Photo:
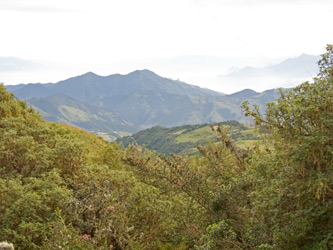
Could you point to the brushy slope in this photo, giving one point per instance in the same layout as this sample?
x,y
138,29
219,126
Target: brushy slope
x,y
54,194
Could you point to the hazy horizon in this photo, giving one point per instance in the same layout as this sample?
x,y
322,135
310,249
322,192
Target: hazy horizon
x,y
195,41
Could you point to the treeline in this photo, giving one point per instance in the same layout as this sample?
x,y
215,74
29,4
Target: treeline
x,y
63,189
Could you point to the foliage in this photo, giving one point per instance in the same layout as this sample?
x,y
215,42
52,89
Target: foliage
x,y
292,199
61,188
27,206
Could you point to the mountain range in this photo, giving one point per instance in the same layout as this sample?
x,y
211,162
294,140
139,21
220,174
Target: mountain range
x,y
118,105
14,64
287,73
302,66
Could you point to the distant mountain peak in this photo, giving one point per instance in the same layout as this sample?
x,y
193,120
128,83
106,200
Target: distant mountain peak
x,y
306,55
291,70
90,74
146,71
245,93
143,72
248,91
86,76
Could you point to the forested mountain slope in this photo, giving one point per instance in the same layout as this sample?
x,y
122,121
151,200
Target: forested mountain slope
x,y
129,103
64,109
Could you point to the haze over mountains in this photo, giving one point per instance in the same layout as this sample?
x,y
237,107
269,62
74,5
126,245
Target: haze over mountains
x,y
287,73
223,74
299,67
117,105
17,64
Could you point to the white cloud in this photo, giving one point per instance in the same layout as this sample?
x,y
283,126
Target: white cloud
x,y
32,6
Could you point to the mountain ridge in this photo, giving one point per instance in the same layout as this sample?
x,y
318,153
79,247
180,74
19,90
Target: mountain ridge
x,y
299,66
132,102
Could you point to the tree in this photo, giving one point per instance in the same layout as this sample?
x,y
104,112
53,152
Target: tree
x,y
292,200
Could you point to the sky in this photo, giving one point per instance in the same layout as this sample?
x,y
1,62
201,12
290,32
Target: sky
x,y
194,41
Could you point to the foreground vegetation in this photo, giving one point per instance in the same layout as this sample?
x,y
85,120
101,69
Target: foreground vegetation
x,y
61,188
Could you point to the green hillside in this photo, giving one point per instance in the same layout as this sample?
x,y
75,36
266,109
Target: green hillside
x,y
64,188
64,109
185,139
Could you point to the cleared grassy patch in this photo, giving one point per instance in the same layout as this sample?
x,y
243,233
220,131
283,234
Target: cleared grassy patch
x,y
196,135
